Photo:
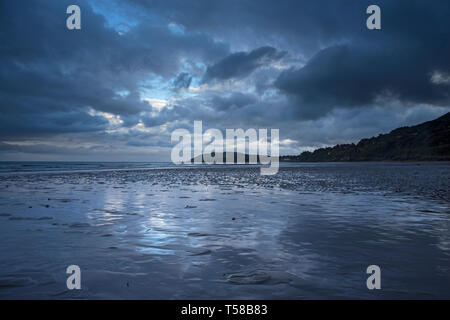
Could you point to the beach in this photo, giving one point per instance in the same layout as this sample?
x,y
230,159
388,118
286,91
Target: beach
x,y
225,232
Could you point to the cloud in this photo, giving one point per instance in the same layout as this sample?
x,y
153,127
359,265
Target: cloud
x,y
292,24
240,64
350,76
182,81
405,61
233,100
440,78
51,77
138,69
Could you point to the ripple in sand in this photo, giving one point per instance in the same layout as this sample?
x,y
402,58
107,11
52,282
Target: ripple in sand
x,y
207,199
10,282
20,218
5,215
75,231
79,225
198,251
257,277
197,234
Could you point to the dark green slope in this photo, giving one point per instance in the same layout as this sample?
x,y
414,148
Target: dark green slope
x,y
427,141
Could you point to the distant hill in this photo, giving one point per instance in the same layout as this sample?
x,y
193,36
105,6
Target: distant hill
x,y
427,141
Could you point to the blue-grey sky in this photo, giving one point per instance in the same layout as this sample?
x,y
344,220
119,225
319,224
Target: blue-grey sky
x,y
138,69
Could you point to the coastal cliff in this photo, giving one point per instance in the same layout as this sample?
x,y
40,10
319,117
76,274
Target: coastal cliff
x,y
429,141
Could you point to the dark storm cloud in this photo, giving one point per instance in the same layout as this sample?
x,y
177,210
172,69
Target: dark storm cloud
x,y
349,65
241,64
217,110
349,76
301,24
33,123
234,100
397,62
223,111
56,82
51,78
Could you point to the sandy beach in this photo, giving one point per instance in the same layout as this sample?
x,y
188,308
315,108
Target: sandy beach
x,y
226,232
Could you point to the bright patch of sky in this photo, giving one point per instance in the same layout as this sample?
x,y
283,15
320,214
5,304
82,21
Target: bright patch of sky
x,y
119,15
155,88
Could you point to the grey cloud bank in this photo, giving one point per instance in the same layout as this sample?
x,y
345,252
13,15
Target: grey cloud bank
x,y
241,64
139,69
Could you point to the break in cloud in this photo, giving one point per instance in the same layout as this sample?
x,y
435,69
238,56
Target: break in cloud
x,y
138,69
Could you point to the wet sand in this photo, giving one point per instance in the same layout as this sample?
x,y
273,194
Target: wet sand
x,y
227,232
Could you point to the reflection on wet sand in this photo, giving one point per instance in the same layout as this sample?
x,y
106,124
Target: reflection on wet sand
x,y
208,232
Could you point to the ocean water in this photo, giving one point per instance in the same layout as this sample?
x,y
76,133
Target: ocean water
x,y
159,231
42,166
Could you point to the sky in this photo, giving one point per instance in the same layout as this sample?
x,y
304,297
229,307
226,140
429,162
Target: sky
x,y
139,69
